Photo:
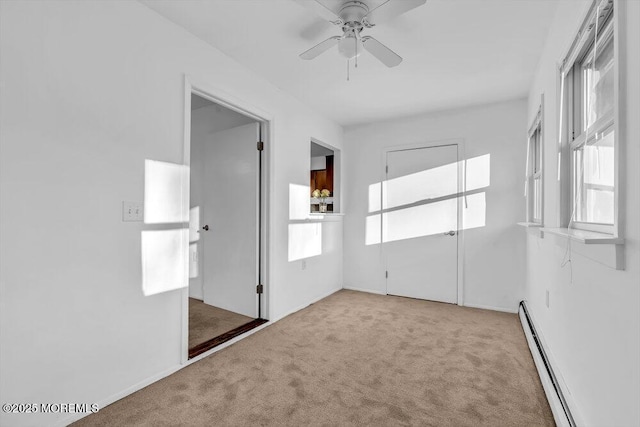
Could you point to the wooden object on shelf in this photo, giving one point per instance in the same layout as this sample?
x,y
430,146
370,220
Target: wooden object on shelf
x,y
329,182
323,179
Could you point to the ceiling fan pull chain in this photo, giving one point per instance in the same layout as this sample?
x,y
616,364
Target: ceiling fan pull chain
x,y
347,70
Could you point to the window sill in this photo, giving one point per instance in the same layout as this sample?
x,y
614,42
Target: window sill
x,y
317,216
584,236
530,224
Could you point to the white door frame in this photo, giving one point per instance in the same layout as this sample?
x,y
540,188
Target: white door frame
x,y
205,90
460,142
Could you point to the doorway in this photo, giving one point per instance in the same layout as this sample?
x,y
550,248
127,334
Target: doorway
x,y
225,238
420,222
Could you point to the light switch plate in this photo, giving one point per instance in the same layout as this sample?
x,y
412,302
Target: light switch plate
x,y
132,211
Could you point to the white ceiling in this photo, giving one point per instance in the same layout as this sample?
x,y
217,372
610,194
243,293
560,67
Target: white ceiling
x,y
319,150
199,102
214,117
456,52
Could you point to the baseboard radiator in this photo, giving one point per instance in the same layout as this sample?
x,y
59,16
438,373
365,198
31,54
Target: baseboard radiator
x,y
528,323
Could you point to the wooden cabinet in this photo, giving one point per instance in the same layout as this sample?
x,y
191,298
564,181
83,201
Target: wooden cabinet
x,y
322,179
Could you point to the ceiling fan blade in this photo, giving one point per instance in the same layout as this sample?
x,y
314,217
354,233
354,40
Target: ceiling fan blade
x,y
320,47
380,51
390,9
321,10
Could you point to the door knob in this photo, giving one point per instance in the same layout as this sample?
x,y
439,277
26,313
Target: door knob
x,y
450,233
206,228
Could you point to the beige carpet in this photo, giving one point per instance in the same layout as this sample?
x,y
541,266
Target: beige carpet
x,y
355,359
207,321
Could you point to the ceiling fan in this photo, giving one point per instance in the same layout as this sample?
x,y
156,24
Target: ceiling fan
x,y
354,16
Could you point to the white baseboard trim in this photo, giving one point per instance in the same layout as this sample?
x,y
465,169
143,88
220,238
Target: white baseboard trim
x,y
142,384
371,291
552,397
316,299
484,307
489,307
119,395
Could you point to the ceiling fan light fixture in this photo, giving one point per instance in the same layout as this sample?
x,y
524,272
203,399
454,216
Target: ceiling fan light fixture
x,y
355,16
350,47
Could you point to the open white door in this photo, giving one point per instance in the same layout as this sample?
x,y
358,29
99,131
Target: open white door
x,y
229,225
420,223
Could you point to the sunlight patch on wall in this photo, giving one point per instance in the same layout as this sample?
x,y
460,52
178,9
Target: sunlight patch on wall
x,y
478,172
372,229
421,216
432,183
194,224
299,196
474,215
165,253
193,261
165,264
374,197
418,221
194,236
166,192
409,223
305,240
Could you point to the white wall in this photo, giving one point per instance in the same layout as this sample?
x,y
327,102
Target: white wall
x,y
592,325
494,254
90,90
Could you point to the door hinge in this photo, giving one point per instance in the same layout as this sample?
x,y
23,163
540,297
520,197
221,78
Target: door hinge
x,y
386,274
260,145
259,289
386,169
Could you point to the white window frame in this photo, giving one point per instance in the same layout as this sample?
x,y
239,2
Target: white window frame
x,y
535,169
574,138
